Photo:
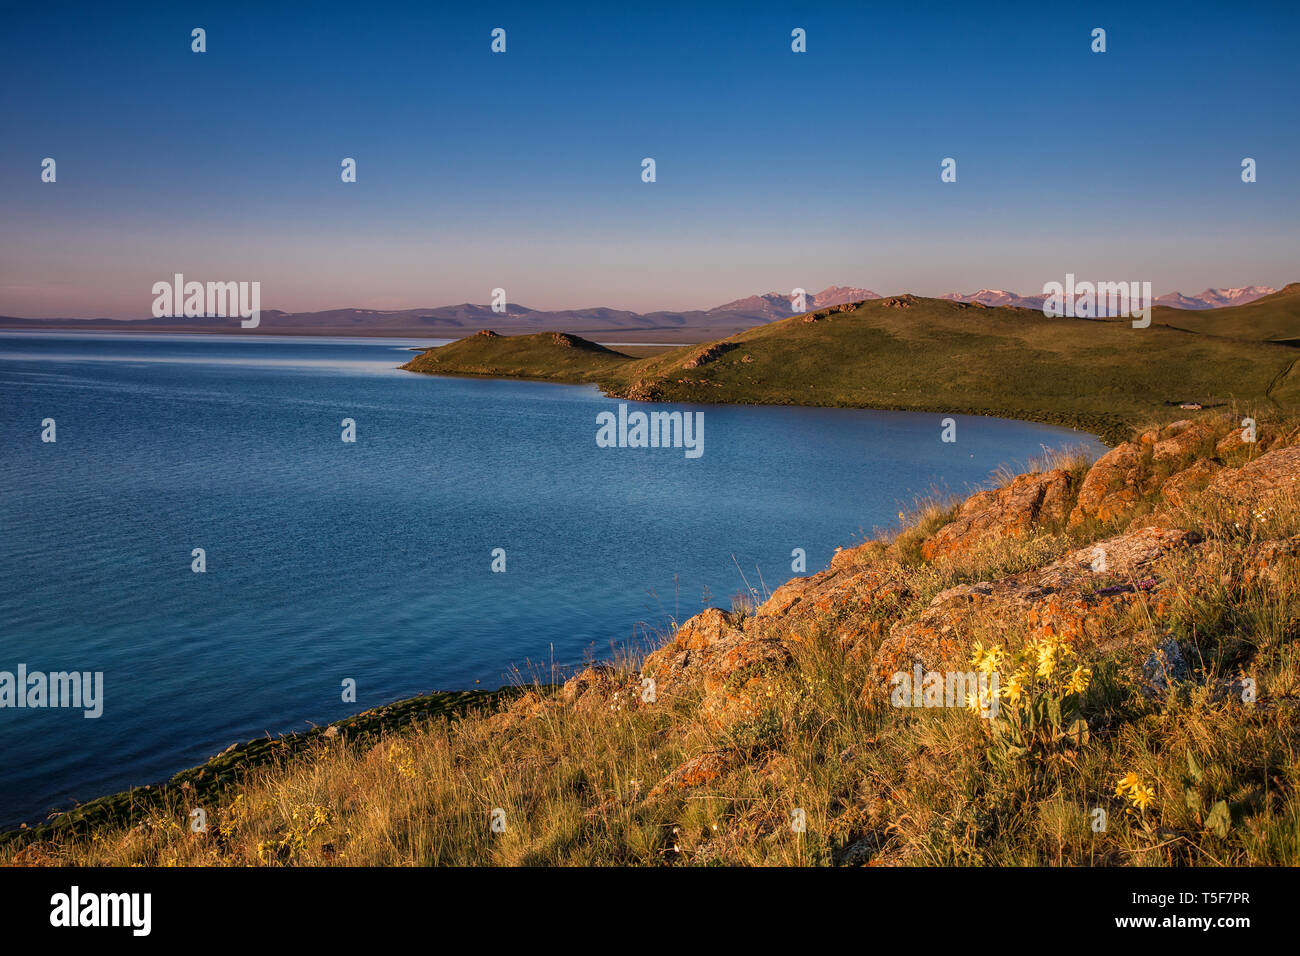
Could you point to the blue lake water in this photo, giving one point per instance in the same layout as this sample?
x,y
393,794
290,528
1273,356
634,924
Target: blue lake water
x,y
372,561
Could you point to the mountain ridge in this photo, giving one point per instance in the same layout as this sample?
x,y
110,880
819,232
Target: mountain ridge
x,y
455,321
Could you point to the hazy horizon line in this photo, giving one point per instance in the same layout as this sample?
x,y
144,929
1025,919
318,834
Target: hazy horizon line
x,y
512,305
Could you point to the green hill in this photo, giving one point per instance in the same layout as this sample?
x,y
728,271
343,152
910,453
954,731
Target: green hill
x,y
546,356
1273,318
933,355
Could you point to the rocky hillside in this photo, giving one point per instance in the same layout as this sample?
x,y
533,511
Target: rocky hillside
x,y
1140,614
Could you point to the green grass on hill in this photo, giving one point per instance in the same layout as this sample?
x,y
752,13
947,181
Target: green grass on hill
x,y
545,356
932,355
1272,318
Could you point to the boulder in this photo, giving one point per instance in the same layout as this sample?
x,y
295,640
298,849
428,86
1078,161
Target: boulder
x,y
708,627
1113,485
790,594
1271,562
1071,598
680,663
1179,488
1012,510
600,686
1179,440
864,553
1260,482
1235,440
696,772
1164,667
732,670
739,679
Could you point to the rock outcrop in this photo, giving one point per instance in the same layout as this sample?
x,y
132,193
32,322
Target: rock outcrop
x,y
1012,510
1113,486
1110,597
1077,597
1179,488
730,662
1261,481
712,656
1180,440
706,355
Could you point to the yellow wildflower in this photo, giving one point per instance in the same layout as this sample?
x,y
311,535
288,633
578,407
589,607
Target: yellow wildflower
x,y
990,659
1046,659
1142,796
1130,781
1012,690
1079,680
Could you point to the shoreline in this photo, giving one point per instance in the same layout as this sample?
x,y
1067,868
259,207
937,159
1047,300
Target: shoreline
x,y
228,768
223,769
716,653
1109,434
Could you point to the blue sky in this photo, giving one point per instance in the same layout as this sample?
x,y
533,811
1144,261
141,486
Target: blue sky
x,y
522,170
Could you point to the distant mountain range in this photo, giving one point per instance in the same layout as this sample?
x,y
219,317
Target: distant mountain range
x,y
454,321
1214,298
774,305
1209,299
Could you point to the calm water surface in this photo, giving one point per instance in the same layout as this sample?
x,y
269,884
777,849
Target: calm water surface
x,y
372,560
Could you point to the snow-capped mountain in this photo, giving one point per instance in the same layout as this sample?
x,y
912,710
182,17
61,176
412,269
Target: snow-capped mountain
x,y
984,297
1214,298
1209,299
456,320
777,305
996,297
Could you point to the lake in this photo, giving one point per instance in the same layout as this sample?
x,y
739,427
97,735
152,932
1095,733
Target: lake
x,y
372,560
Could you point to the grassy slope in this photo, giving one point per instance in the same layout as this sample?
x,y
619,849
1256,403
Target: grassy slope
x,y
878,784
938,356
1272,318
222,775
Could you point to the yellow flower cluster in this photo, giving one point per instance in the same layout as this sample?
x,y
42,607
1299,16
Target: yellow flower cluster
x,y
401,756
987,661
234,815
1139,794
1080,677
1047,659
303,822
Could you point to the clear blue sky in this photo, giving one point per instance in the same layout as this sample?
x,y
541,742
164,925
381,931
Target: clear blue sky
x,y
522,170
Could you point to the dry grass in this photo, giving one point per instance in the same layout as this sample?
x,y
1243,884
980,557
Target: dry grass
x,y
874,783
